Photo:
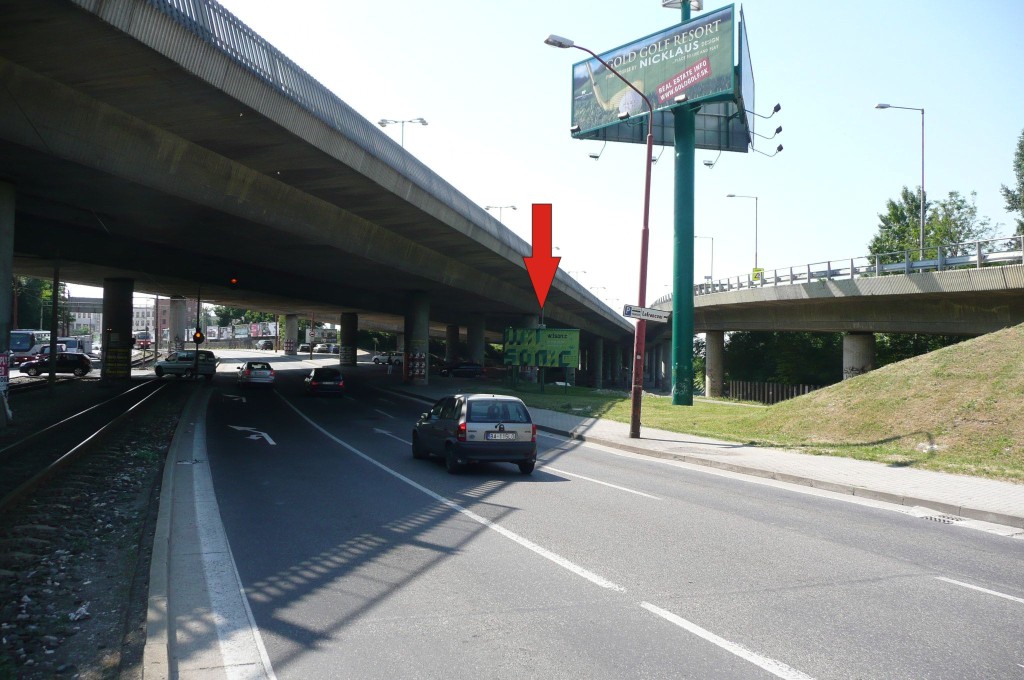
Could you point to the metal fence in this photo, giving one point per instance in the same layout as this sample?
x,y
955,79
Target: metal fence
x,y
766,393
974,255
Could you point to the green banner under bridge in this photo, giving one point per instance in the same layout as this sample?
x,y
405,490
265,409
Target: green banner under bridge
x,y
542,347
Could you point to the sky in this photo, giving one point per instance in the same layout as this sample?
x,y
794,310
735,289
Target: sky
x,y
498,101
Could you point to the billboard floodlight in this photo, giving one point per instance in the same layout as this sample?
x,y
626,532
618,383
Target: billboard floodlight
x,y
574,129
559,41
623,115
777,151
695,5
680,99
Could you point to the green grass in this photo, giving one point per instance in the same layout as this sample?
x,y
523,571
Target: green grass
x,y
954,410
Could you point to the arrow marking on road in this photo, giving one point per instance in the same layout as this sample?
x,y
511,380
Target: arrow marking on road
x,y
235,397
256,434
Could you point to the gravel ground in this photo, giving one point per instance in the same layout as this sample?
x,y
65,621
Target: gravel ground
x,y
74,562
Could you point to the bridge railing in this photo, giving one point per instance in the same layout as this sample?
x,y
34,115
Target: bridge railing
x,y
973,254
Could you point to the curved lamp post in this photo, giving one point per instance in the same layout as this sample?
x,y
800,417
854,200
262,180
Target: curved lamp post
x,y
384,122
641,324
499,208
912,108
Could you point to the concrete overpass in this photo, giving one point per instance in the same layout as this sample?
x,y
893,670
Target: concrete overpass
x,y
165,146
948,295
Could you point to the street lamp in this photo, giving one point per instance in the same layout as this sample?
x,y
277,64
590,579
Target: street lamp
x,y
384,122
712,239
499,208
641,324
912,108
755,221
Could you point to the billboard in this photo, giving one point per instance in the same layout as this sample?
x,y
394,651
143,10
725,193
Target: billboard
x,y
694,58
549,347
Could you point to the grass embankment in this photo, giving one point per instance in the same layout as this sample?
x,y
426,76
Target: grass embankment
x,y
958,410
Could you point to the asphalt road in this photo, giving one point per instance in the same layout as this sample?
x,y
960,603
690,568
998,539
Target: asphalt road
x,y
360,562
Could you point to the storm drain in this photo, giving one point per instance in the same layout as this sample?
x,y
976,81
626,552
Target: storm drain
x,y
943,519
933,516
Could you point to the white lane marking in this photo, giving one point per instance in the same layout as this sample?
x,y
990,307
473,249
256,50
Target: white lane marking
x,y
526,543
241,644
975,525
388,415
776,668
388,434
980,589
598,481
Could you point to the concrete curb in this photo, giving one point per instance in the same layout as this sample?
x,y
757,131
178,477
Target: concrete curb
x,y
156,664
853,490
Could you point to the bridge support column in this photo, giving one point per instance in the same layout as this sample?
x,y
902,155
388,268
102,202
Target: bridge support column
x,y
598,363
475,338
347,338
177,329
6,290
417,339
714,363
858,354
117,330
451,343
291,334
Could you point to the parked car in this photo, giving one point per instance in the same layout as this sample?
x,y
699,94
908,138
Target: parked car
x,y
264,344
325,380
67,362
304,347
387,358
255,373
463,369
322,348
183,364
466,428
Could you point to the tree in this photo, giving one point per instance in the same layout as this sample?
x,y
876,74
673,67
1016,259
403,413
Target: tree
x,y
1015,196
787,358
950,221
955,220
899,227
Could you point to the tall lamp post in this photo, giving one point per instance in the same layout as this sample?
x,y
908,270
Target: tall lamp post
x,y
499,208
641,324
384,122
913,108
755,221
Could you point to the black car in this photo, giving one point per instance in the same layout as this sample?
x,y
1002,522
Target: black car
x,y
463,369
325,380
67,362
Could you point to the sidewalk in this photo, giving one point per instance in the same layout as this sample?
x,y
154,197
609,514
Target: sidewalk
x,y
957,495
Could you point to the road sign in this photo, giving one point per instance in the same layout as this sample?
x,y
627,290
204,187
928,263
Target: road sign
x,y
633,312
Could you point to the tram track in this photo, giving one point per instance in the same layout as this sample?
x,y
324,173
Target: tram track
x,y
75,547
30,462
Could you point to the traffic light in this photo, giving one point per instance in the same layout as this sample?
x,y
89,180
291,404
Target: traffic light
x,y
233,281
198,337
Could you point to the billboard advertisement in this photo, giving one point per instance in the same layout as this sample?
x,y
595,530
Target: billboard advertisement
x,y
549,347
694,58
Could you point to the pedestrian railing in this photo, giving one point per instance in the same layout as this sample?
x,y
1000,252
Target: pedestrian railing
x,y
974,254
766,393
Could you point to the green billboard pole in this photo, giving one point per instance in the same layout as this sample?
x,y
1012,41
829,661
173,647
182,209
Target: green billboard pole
x,y
682,252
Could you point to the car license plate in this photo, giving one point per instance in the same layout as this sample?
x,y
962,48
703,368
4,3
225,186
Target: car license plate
x,y
501,435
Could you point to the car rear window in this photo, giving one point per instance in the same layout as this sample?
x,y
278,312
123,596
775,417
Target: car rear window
x,y
497,410
326,373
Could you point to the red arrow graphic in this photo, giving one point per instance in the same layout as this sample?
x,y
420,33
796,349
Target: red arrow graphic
x,y
541,265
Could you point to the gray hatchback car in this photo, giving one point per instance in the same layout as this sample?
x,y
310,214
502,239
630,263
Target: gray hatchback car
x,y
467,428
